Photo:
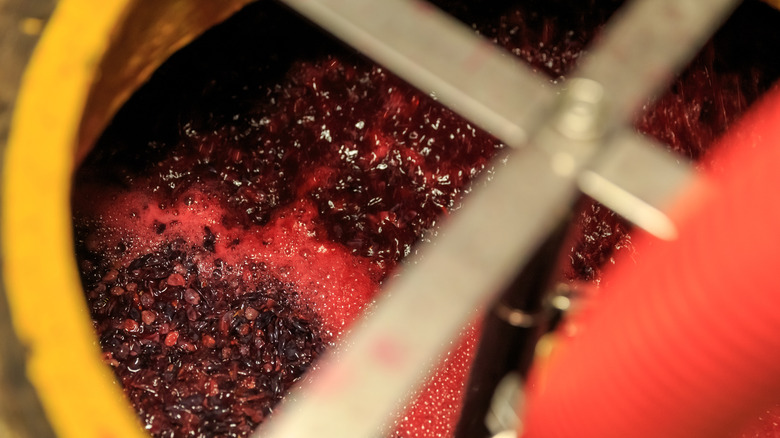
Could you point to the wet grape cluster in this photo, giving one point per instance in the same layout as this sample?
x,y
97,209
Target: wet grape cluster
x,y
200,352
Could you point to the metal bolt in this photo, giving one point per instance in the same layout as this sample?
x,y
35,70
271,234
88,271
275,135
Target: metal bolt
x,y
580,114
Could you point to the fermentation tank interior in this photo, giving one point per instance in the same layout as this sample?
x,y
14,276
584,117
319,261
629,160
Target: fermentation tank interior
x,y
248,203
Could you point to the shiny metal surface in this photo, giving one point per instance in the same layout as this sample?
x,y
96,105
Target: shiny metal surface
x,y
636,177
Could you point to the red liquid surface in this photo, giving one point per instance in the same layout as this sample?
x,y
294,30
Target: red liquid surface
x,y
248,203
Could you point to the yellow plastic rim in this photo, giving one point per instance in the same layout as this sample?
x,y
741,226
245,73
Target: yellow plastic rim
x,y
72,87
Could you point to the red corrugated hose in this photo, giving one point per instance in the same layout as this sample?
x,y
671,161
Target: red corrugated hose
x,y
683,337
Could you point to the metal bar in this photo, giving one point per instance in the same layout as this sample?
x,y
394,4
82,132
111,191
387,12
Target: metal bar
x,y
638,178
439,55
645,45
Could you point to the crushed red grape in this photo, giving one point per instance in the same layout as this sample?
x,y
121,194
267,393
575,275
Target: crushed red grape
x,y
206,367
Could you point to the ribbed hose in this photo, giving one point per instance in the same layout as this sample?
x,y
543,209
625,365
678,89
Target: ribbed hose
x,y
685,341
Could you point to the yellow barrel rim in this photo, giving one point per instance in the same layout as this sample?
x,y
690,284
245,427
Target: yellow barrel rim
x,y
47,139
